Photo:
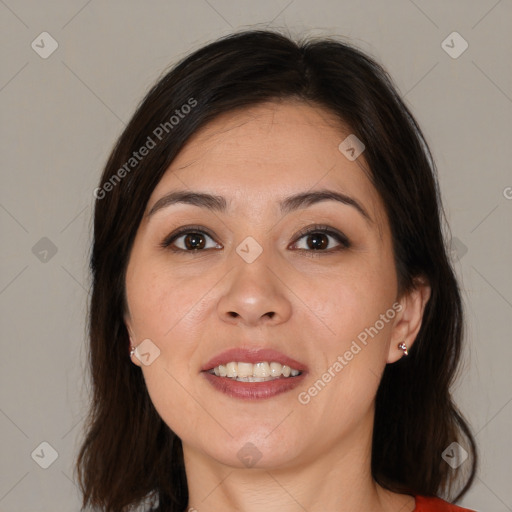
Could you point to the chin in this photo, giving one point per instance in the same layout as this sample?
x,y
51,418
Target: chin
x,y
255,449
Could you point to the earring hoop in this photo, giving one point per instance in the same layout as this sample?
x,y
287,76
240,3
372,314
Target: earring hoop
x,y
402,346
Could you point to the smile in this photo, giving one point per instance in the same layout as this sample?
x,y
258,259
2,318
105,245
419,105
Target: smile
x,y
259,372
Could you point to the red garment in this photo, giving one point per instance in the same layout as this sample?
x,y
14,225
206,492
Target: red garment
x,y
424,504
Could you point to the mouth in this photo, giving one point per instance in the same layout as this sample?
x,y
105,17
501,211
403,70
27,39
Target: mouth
x,y
262,371
253,374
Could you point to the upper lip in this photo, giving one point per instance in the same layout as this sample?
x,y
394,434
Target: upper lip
x,y
253,356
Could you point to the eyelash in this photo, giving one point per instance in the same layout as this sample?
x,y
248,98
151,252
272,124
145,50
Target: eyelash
x,y
325,230
310,230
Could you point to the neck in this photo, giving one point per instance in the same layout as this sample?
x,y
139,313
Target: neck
x,y
333,478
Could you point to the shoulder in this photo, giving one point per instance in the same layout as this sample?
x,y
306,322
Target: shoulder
x,y
428,504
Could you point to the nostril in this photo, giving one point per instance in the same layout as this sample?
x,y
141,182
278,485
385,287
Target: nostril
x,y
233,314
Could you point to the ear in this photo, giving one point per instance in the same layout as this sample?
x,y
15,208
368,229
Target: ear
x,y
409,317
129,328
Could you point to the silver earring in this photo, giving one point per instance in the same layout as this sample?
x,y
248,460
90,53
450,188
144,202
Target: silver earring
x,y
402,346
132,348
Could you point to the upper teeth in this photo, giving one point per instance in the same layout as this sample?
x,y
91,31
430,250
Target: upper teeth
x,y
246,371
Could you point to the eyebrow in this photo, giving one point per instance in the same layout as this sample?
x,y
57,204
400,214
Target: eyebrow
x,y
219,204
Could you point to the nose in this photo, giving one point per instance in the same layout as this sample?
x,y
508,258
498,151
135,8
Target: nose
x,y
255,295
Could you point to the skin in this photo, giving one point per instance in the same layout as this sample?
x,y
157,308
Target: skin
x,y
193,305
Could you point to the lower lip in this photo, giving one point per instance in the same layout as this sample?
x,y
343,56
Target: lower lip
x,y
253,390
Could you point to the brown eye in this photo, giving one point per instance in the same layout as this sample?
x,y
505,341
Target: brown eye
x,y
190,240
194,241
322,239
317,241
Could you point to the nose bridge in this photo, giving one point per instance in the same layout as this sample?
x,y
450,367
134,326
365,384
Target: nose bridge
x,y
254,292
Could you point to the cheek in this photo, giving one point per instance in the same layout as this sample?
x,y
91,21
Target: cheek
x,y
173,398
164,308
162,301
355,307
351,296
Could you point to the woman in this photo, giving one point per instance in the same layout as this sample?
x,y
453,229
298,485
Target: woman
x,y
274,320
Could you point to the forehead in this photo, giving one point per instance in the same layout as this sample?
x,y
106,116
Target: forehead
x,y
271,133
286,147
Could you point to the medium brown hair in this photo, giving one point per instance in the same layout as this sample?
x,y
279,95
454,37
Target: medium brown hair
x,y
128,451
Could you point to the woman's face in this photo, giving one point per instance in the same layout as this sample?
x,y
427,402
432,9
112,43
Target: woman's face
x,y
256,271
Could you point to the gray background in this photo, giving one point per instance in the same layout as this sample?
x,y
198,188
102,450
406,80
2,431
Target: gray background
x,y
61,116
